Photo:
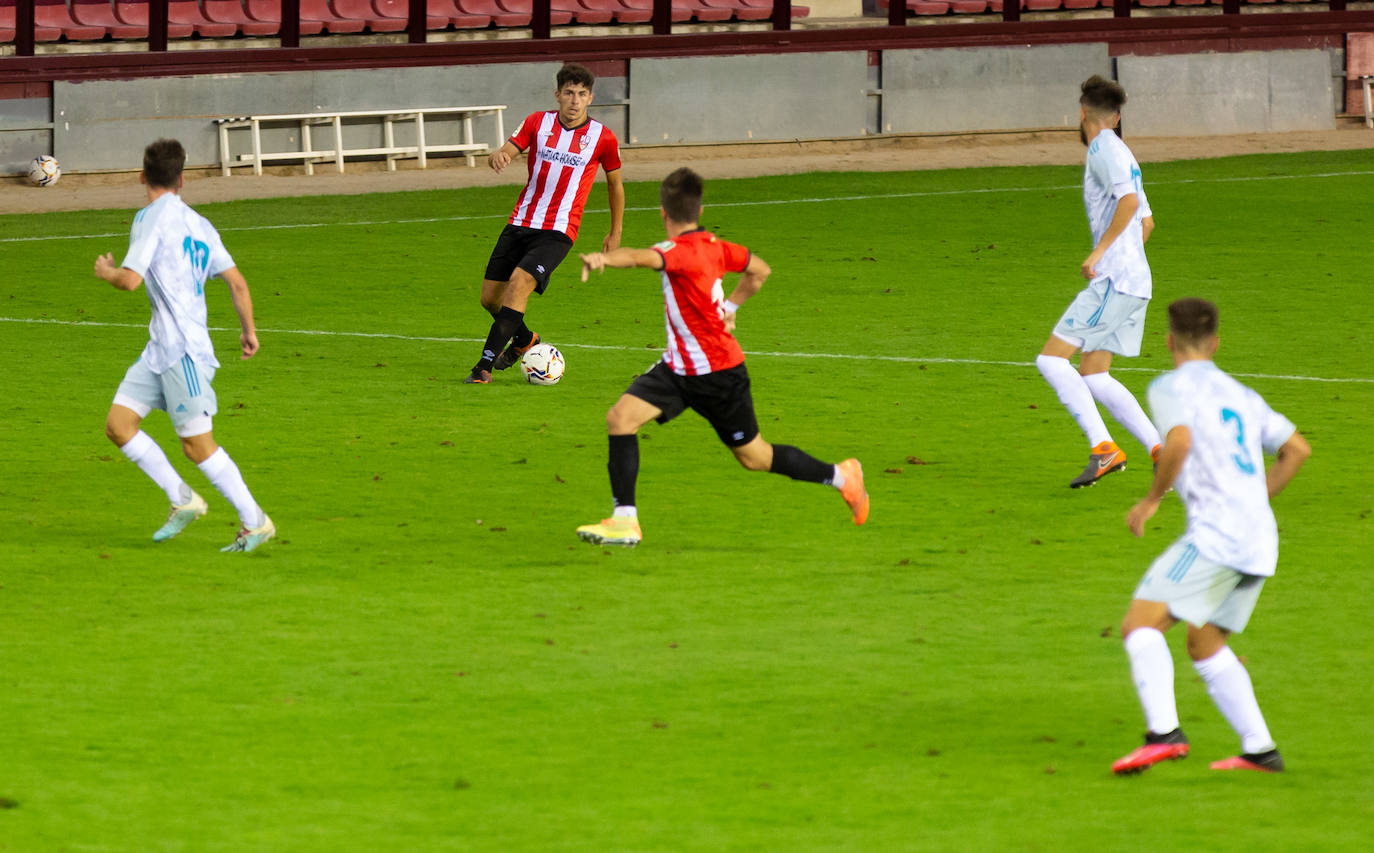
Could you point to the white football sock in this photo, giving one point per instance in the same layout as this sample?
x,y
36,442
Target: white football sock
x,y
1152,670
148,456
1228,683
1074,394
625,512
224,475
837,478
1123,406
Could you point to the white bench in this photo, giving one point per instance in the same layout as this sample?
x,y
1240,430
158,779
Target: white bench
x,y
393,152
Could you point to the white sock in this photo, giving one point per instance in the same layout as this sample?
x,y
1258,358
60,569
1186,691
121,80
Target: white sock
x,y
625,512
1152,670
145,453
1228,683
1074,394
837,478
1123,406
224,475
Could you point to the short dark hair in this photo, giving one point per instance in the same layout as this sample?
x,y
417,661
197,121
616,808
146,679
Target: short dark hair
x,y
163,161
680,195
579,75
1102,95
1192,321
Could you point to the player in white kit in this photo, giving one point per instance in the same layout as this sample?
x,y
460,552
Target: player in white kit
x,y
173,251
1107,316
1216,432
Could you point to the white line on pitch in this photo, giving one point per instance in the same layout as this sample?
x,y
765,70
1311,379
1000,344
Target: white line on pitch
x,y
759,203
901,359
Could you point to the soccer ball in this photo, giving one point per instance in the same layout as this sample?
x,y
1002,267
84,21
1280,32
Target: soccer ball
x,y
44,171
543,365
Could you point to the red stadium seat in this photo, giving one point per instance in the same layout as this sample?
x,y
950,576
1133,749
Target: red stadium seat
x,y
457,18
1040,5
269,12
968,7
7,26
135,13
375,20
526,7
54,13
679,15
622,14
701,12
928,7
1153,3
1093,4
100,13
582,13
188,12
741,11
499,16
232,12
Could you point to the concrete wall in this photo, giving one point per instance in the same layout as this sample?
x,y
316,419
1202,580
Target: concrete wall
x,y
733,98
1219,93
25,132
930,91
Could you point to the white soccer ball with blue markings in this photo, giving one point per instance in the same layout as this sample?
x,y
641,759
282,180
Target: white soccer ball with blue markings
x,y
543,365
44,171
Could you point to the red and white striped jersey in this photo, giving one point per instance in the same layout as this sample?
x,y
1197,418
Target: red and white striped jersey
x,y
694,265
562,168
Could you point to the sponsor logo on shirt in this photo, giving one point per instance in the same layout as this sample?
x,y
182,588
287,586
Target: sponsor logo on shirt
x,y
566,158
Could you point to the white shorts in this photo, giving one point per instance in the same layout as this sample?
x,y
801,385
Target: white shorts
x,y
183,392
1199,590
1100,318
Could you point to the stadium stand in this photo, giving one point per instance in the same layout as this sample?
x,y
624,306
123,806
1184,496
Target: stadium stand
x,y
100,13
376,20
188,12
232,12
582,13
135,14
54,14
457,18
741,11
316,17
621,13
526,8
499,16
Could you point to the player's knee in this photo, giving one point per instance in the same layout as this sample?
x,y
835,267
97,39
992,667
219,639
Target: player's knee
x,y
198,448
115,433
752,460
618,424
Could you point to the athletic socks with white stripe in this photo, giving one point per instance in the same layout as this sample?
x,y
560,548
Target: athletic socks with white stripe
x,y
1228,683
1123,406
148,456
224,475
1075,395
1152,670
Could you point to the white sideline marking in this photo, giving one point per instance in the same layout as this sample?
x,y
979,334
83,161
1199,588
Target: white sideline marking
x,y
759,203
901,359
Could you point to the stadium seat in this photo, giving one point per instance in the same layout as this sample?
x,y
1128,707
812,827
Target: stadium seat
x,y
1155,4
680,14
135,13
701,12
7,26
376,20
499,16
797,11
622,14
232,12
927,7
1093,4
188,12
582,13
100,13
741,11
457,18
526,8
1040,5
968,7
54,13
269,12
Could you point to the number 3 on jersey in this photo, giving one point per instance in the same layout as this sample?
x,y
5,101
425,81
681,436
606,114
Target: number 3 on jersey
x,y
1242,459
199,255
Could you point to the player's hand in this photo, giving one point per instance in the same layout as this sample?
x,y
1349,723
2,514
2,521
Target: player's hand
x,y
611,243
1089,267
499,160
249,342
728,317
593,261
1141,513
104,266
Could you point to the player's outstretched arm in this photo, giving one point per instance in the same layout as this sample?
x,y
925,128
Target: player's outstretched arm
x,y
122,278
1292,453
1171,457
501,157
243,306
620,259
615,195
1126,207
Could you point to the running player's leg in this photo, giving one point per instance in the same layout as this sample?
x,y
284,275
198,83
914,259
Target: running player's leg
x,y
1118,400
623,422
1074,394
1152,671
139,393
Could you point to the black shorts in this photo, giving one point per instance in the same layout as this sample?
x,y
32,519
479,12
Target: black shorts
x,y
534,250
721,397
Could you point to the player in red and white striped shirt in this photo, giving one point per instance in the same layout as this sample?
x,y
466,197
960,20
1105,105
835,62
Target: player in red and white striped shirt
x,y
703,367
565,146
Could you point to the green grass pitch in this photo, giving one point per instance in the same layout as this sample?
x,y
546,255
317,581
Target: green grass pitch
x,y
428,659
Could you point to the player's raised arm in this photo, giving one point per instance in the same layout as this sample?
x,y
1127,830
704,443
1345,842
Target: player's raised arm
x,y
122,278
243,306
620,259
615,196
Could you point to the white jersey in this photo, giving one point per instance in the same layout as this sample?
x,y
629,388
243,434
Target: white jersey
x,y
176,250
1222,483
1112,172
